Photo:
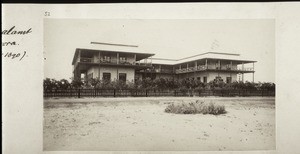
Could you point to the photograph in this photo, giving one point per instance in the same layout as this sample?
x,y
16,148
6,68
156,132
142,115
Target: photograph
x,y
159,84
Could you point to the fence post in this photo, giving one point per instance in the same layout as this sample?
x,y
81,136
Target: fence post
x,y
146,93
175,93
114,92
78,93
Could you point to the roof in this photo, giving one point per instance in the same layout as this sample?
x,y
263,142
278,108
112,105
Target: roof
x,y
133,49
112,47
207,55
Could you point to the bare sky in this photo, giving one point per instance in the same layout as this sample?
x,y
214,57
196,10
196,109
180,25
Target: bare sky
x,y
253,39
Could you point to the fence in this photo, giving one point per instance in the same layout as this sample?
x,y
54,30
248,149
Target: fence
x,y
153,93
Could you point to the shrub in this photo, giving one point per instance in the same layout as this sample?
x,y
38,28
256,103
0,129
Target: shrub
x,y
196,108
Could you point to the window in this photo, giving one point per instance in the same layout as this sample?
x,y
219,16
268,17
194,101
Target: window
x,y
106,76
218,78
199,78
122,77
204,79
228,79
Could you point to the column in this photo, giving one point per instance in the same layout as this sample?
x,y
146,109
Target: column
x,y
253,73
99,65
79,55
118,58
159,68
206,64
99,56
243,70
231,65
242,66
242,77
195,78
117,73
134,58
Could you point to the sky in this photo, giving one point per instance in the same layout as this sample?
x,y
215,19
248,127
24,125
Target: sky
x,y
254,39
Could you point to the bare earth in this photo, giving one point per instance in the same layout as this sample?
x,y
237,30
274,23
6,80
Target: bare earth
x,y
141,124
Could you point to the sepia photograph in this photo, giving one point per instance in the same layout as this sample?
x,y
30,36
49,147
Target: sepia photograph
x,y
159,84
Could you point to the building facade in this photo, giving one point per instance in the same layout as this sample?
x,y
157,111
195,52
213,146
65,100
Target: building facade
x,y
131,66
108,65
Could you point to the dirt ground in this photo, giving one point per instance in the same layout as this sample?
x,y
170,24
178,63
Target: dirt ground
x,y
100,124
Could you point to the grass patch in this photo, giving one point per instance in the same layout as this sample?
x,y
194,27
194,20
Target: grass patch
x,y
196,108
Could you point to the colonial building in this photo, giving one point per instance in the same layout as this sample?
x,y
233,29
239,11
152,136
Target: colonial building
x,y
128,66
109,65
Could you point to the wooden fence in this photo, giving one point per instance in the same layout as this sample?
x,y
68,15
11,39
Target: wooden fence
x,y
153,93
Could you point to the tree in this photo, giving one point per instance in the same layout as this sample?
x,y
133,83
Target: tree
x,y
119,84
63,84
250,85
76,84
94,82
147,83
268,86
49,84
217,83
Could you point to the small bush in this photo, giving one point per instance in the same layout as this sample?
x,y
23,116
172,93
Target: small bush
x,y
196,108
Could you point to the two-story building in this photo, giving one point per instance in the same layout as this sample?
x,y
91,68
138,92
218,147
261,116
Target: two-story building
x,y
108,65
203,67
128,66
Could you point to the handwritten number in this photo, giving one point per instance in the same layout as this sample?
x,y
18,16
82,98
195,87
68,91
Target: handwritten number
x,y
12,55
23,55
47,14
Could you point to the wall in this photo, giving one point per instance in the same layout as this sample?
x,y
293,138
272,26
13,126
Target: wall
x,y
113,71
210,76
194,75
92,70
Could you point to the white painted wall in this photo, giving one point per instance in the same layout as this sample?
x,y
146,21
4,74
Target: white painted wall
x,y
210,75
113,71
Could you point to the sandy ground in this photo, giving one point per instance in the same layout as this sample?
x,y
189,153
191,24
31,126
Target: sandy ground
x,y
141,124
